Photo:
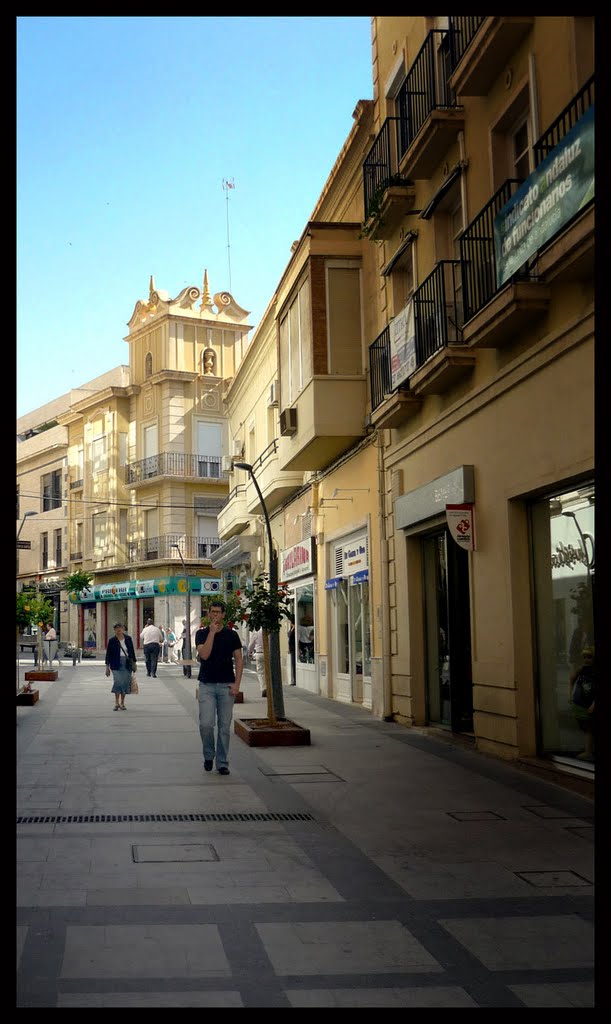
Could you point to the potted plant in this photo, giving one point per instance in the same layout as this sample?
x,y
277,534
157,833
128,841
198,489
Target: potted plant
x,y
264,608
33,610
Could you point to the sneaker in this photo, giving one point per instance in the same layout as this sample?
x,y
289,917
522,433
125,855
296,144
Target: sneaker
x,y
117,707
208,766
223,771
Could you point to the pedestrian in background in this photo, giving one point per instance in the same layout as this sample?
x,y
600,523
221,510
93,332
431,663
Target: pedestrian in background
x,y
255,647
171,639
121,661
164,643
151,645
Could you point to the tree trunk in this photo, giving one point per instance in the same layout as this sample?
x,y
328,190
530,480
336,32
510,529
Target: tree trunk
x,y
271,714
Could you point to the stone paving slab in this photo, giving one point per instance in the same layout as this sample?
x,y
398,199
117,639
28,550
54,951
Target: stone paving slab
x,y
388,868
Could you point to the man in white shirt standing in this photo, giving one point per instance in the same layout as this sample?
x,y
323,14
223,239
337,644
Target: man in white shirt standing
x,y
151,644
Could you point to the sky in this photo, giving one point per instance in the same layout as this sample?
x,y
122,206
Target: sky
x,y
130,132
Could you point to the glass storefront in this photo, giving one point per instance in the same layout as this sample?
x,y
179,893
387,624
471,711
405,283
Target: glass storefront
x,y
563,540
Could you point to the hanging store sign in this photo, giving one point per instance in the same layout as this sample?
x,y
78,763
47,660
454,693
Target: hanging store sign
x,y
334,583
354,556
461,524
561,185
360,577
402,345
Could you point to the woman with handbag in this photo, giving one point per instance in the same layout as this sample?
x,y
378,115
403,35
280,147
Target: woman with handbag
x,y
121,660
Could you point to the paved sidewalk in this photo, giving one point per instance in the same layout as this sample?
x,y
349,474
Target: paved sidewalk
x,y
377,867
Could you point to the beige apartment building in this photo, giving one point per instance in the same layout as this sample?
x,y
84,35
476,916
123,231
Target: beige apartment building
x,y
401,406
140,477
433,324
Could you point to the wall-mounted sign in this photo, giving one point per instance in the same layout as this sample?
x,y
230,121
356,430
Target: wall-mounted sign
x,y
354,556
297,560
561,185
360,577
334,583
460,519
160,587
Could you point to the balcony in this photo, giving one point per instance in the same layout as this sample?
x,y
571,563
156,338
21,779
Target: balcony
x,y
330,419
152,549
441,358
389,408
234,516
274,484
76,556
429,115
175,465
388,197
482,48
76,484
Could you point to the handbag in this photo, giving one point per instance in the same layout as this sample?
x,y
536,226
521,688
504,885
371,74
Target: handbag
x,y
134,688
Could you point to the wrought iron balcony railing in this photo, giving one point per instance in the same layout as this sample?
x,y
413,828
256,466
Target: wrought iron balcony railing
x,y
426,87
381,167
233,494
379,368
462,30
151,548
477,256
438,310
438,321
174,464
581,102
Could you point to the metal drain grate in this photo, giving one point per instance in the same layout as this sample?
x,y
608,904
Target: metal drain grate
x,y
68,819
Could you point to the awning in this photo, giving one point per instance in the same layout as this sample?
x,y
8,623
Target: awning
x,y
443,189
407,241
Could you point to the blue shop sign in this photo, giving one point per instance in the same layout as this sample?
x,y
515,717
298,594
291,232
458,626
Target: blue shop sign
x,y
360,577
334,583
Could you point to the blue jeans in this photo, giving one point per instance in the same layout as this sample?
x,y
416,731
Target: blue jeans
x,y
215,706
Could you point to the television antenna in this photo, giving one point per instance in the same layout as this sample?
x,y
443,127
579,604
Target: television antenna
x,y
228,184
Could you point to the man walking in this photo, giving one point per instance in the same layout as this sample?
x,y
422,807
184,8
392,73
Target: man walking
x,y
151,645
220,649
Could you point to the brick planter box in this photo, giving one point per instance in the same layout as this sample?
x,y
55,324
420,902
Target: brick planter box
x,y
256,732
41,677
27,699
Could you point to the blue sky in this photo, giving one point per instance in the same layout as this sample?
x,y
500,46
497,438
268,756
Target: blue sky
x,y
126,130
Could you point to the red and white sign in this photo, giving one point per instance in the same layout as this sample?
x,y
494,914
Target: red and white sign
x,y
461,524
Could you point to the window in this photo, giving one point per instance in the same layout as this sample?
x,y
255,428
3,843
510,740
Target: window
x,y
58,547
520,147
44,548
209,449
295,346
511,141
52,490
151,526
207,535
344,318
98,455
99,530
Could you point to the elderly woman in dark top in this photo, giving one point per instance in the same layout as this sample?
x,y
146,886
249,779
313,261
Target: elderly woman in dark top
x,y
121,660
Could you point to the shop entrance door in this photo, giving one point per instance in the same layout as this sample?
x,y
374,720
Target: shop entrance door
x,y
448,633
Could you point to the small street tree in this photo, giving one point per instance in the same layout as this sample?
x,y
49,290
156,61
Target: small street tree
x,y
33,610
74,582
264,608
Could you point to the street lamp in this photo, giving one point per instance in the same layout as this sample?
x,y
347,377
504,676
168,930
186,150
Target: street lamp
x,y
25,516
274,640
186,650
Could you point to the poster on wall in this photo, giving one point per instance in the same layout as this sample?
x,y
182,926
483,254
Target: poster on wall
x,y
461,524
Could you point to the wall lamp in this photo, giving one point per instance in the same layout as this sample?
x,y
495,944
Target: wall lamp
x,y
26,515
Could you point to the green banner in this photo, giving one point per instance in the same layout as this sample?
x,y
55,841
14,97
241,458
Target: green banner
x,y
561,186
130,590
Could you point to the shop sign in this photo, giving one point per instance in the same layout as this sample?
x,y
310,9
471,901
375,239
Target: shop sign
x,y
360,577
334,583
460,520
297,560
354,556
135,589
550,197
114,591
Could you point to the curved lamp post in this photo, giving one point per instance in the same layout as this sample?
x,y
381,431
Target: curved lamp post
x,y
186,669
274,641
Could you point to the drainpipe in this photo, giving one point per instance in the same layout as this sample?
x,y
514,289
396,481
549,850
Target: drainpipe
x,y
386,674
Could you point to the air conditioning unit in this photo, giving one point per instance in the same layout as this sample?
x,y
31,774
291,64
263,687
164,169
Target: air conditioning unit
x,y
273,394
226,464
237,446
288,422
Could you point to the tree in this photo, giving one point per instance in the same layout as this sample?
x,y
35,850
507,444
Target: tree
x,y
264,608
33,610
74,582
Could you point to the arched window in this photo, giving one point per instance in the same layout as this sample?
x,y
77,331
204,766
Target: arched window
x,y
208,360
148,365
